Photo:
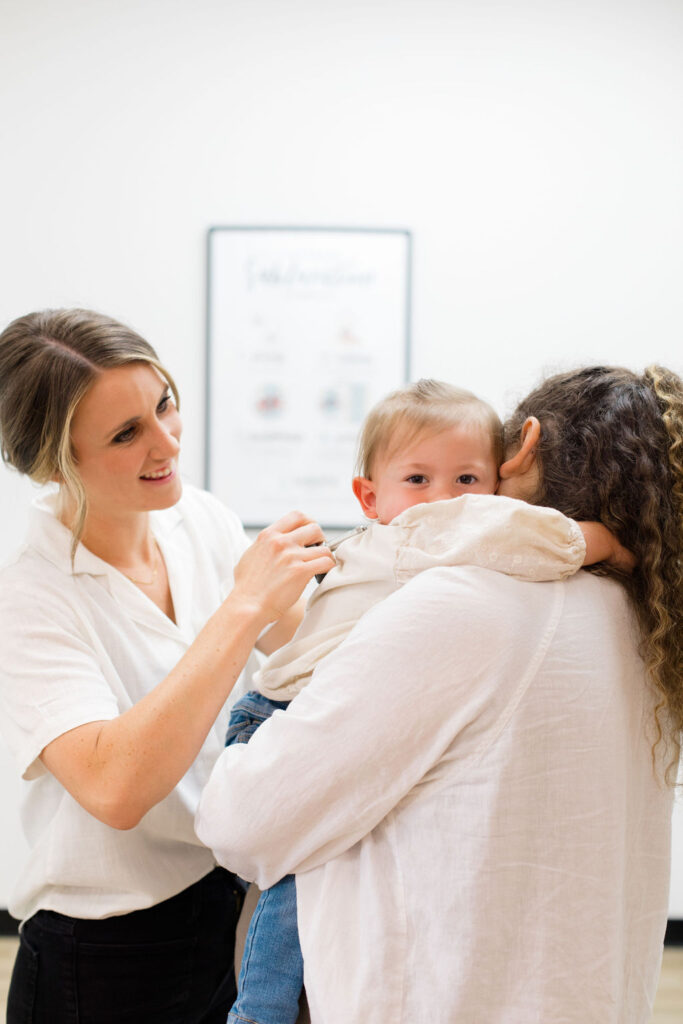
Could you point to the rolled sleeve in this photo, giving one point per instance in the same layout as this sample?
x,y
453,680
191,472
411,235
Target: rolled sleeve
x,y
50,679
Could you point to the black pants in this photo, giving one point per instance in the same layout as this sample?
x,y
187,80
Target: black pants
x,y
171,964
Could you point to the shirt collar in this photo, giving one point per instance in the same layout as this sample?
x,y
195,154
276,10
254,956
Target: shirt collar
x,y
52,539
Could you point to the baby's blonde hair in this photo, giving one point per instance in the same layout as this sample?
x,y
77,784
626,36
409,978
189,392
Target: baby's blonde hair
x,y
426,407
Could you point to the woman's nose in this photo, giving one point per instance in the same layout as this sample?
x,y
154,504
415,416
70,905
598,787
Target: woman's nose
x,y
165,444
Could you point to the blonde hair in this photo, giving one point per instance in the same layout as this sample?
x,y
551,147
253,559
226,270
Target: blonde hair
x,y
428,406
48,362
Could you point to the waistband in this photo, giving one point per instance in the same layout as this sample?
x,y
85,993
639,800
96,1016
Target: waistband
x,y
177,913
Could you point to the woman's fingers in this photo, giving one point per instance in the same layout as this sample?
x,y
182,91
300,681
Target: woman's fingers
x,y
291,521
304,540
298,527
281,561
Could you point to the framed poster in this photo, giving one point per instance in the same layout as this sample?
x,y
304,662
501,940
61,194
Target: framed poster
x,y
307,329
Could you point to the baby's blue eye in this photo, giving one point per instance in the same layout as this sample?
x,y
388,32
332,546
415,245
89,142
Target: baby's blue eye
x,y
417,478
467,479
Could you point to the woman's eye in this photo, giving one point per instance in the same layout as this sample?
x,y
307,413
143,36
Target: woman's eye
x,y
467,479
125,435
417,478
163,404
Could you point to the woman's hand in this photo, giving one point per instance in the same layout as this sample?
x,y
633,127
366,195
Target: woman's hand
x,y
118,769
273,572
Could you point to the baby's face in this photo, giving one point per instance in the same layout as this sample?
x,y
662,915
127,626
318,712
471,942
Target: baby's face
x,y
458,460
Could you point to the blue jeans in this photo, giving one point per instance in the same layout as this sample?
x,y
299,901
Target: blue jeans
x,y
272,972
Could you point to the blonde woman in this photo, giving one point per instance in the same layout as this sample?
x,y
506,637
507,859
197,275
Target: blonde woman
x,y
118,658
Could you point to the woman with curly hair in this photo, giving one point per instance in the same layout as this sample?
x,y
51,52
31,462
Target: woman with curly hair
x,y
475,789
624,467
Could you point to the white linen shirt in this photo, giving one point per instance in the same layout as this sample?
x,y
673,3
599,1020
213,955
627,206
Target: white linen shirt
x,y
467,795
507,535
82,644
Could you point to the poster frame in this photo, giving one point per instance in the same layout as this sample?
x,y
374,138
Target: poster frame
x,y
297,233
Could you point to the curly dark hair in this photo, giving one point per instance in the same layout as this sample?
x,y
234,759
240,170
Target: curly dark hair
x,y
611,449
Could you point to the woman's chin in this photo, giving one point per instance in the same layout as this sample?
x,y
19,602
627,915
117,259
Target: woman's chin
x,y
162,493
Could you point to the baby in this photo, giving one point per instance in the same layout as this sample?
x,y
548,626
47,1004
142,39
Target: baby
x,y
420,447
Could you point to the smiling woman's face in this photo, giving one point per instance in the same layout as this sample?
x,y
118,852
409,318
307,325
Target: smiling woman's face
x,y
126,438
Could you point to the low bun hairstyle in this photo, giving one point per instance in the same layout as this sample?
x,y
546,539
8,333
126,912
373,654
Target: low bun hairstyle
x,y
48,361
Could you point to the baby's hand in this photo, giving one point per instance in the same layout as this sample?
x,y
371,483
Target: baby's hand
x,y
603,546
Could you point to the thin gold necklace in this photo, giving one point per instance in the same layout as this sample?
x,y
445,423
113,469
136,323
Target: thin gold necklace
x,y
146,583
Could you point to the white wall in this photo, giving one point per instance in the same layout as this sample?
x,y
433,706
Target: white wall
x,y
534,148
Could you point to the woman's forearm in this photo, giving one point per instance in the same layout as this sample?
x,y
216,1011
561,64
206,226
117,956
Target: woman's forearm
x,y
119,769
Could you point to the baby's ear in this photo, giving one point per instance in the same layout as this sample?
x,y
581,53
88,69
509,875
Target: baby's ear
x,y
364,490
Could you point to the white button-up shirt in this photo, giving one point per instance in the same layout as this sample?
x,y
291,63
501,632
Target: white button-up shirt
x,y
80,644
466,793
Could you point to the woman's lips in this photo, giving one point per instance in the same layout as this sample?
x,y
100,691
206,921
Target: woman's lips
x,y
158,476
